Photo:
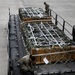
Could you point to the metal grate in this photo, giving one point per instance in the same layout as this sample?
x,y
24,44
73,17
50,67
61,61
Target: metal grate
x,y
31,12
43,34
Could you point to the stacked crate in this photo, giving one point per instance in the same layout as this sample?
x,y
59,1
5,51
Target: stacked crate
x,y
44,39
33,14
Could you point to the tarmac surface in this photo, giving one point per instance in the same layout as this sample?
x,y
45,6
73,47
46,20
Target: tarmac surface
x,y
65,8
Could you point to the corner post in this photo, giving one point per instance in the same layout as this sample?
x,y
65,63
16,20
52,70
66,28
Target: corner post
x,y
50,12
56,20
63,25
73,33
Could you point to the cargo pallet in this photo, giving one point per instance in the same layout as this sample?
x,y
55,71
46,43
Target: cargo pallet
x,y
61,56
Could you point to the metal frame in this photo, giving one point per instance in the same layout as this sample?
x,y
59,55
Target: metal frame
x,y
45,31
55,17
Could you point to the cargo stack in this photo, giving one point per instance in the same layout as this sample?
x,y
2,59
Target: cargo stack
x,y
31,14
43,39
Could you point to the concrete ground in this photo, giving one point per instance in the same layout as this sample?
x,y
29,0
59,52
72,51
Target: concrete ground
x,y
65,8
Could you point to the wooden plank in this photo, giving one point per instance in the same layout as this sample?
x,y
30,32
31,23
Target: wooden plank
x,y
54,57
44,20
26,19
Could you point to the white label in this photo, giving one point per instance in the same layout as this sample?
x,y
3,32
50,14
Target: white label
x,y
45,60
37,49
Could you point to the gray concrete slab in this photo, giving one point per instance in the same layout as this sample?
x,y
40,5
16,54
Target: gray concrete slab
x,y
65,8
56,68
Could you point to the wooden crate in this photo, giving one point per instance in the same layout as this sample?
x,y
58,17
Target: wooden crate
x,y
54,57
